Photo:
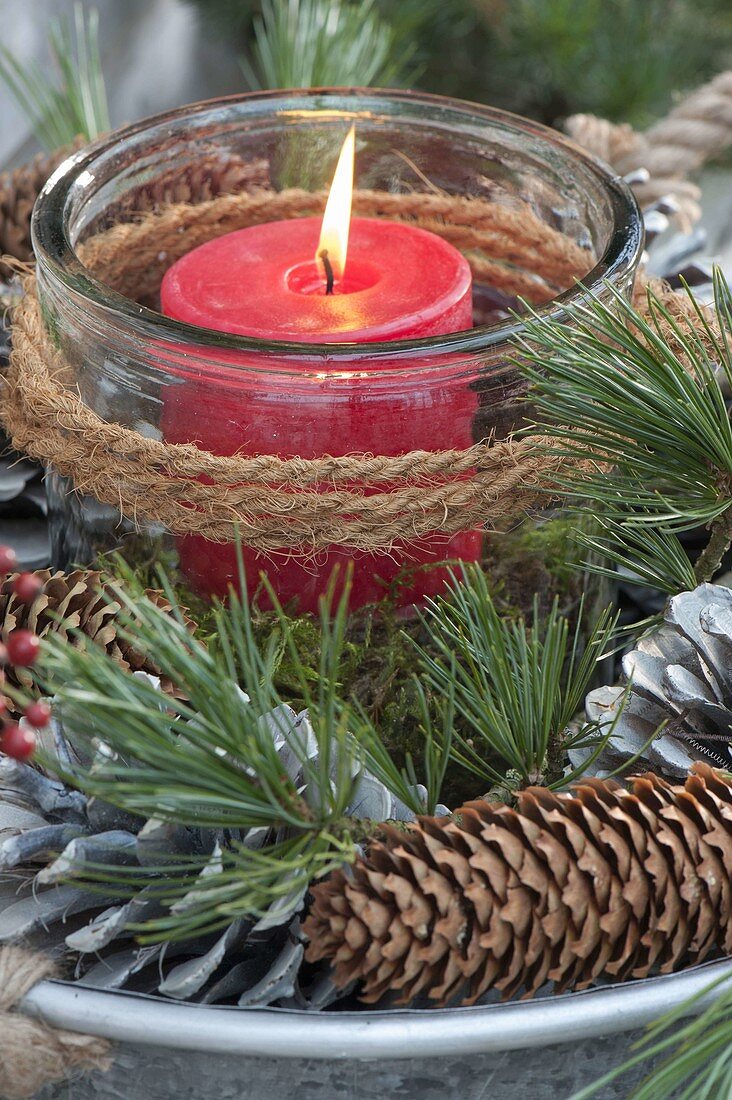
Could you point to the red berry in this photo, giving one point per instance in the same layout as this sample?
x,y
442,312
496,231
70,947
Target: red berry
x,y
22,646
17,742
26,587
38,714
8,560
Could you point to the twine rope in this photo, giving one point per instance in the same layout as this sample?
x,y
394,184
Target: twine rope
x,y
32,1054
367,502
525,257
265,497
698,128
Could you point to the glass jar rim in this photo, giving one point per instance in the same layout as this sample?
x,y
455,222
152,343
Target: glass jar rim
x,y
56,254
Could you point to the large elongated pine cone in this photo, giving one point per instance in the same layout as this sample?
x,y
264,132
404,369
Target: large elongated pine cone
x,y
567,888
67,601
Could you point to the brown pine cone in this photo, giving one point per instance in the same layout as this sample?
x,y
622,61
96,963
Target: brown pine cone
x,y
18,192
567,888
194,184
208,179
83,602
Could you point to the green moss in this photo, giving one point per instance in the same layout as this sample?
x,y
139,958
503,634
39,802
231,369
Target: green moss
x,y
379,661
535,557
377,670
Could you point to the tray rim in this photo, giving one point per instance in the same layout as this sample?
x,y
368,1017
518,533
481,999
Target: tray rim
x,y
136,1019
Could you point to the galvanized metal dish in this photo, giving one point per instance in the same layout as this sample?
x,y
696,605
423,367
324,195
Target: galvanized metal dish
x,y
534,1049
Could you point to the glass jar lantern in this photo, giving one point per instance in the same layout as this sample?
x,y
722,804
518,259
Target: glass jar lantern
x,y
538,220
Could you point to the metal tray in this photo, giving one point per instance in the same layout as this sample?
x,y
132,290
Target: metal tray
x,y
531,1050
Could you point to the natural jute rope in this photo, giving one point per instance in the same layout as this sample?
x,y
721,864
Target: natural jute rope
x,y
32,1054
265,497
368,502
699,127
507,246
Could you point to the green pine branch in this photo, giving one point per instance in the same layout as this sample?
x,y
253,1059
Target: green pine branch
x,y
645,554
516,687
198,896
71,99
620,59
206,757
320,43
640,402
696,1056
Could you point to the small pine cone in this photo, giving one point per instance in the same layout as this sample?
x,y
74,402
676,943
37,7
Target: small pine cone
x,y
194,184
18,192
567,888
82,602
204,181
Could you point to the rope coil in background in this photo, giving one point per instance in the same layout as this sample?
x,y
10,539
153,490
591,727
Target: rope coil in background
x,y
698,128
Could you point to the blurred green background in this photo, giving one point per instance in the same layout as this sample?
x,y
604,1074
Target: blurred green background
x,y
623,59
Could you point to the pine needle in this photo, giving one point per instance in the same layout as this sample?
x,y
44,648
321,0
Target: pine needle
x,y
321,43
517,687
208,757
609,388
642,554
70,100
696,1056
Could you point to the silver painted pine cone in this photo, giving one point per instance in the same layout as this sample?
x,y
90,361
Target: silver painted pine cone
x,y
680,674
674,255
46,827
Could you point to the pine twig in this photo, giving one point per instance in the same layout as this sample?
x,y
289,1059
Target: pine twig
x,y
720,540
315,43
222,758
647,555
517,687
697,1053
72,101
638,400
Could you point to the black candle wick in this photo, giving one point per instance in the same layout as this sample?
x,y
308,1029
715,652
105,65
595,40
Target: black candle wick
x,y
329,276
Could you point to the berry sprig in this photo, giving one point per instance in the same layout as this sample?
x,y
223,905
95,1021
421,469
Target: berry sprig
x,y
20,649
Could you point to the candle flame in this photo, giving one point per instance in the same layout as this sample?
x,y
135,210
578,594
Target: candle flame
x,y
337,217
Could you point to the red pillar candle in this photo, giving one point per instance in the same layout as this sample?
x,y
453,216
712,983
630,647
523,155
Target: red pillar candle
x,y
400,282
266,282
